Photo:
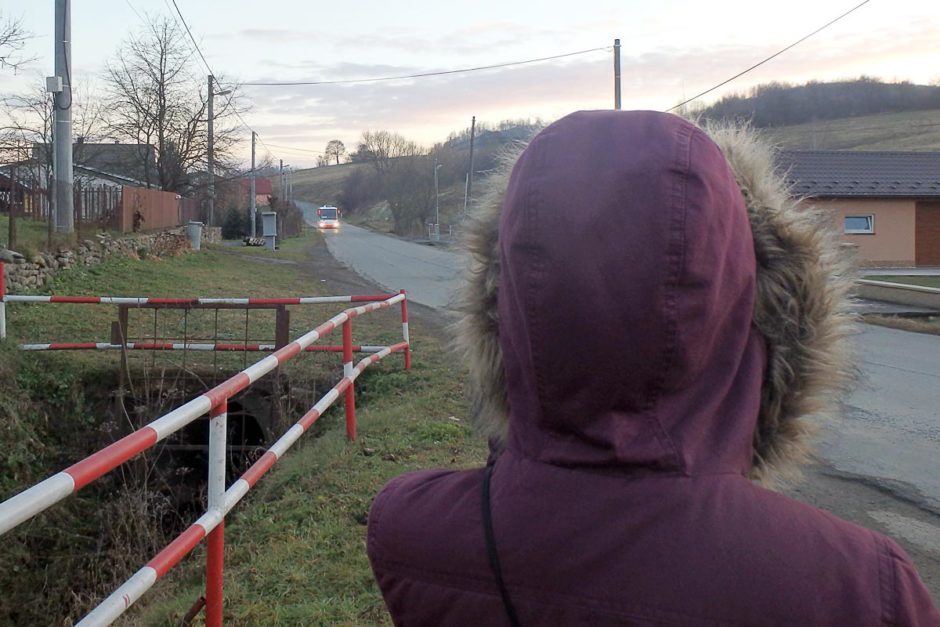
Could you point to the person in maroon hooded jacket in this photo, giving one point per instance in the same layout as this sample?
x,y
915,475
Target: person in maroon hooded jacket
x,y
653,327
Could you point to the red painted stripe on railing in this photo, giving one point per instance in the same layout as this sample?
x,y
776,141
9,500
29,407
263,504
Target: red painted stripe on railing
x,y
308,419
260,467
75,299
288,352
110,457
64,346
343,384
177,550
362,298
228,389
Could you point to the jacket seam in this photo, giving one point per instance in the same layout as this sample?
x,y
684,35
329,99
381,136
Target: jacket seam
x,y
887,580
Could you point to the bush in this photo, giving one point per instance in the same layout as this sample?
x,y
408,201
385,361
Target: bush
x,y
236,225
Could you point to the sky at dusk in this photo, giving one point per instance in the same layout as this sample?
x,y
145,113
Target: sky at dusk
x,y
672,49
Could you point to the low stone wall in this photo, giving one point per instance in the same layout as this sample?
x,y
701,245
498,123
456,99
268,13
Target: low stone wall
x,y
29,274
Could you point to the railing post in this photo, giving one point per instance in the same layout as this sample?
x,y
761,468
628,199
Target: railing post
x,y
348,373
3,304
404,328
215,555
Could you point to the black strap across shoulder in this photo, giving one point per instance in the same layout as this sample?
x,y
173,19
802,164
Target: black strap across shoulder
x,y
491,549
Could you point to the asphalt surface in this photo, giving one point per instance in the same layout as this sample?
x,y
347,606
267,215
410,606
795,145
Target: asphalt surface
x,y
428,273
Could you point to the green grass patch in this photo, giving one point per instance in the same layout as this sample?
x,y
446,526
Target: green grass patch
x,y
292,248
295,548
296,545
923,281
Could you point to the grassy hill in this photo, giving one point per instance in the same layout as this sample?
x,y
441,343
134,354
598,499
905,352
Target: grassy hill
x,y
912,130
323,185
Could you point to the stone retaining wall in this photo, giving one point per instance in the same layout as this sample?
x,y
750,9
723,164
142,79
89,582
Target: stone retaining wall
x,y
30,274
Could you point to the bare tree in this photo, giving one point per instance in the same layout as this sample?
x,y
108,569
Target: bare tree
x,y
12,40
159,102
334,149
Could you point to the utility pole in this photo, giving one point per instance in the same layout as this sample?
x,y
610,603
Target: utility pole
x,y
617,74
280,181
468,195
252,190
62,159
210,160
437,202
210,172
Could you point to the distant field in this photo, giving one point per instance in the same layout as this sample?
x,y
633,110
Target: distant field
x,y
915,131
323,185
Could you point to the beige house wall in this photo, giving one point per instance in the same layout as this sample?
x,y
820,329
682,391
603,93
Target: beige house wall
x,y
892,243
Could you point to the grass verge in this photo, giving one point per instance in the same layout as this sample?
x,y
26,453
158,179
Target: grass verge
x,y
296,544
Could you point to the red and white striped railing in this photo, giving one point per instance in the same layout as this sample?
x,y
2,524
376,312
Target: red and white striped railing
x,y
43,495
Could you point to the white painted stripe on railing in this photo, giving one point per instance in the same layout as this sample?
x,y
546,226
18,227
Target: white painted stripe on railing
x,y
234,494
312,300
287,440
370,349
260,368
33,500
22,298
121,599
181,416
211,519
123,300
328,399
34,347
223,301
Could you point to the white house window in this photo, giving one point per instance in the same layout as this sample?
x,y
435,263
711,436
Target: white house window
x,y
859,224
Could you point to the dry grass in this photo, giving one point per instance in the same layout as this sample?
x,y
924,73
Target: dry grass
x,y
914,130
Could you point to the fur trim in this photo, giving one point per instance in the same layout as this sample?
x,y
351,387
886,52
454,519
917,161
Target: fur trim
x,y
477,328
802,307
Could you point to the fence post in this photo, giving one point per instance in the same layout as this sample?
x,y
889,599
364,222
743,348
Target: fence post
x,y
215,556
348,373
404,328
3,303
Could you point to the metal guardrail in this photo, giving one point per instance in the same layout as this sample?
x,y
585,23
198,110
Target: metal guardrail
x,y
220,501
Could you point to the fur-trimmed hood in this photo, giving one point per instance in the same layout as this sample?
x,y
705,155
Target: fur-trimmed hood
x,y
645,295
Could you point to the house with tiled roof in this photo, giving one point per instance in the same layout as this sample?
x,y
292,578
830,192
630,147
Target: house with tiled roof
x,y
887,204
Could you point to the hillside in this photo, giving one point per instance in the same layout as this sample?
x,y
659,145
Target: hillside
x,y
910,130
322,186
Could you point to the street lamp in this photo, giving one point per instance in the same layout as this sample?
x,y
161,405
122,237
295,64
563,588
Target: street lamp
x,y
211,157
437,202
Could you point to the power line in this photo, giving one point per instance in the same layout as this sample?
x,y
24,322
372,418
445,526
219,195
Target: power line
x,y
426,74
316,152
209,68
189,32
773,56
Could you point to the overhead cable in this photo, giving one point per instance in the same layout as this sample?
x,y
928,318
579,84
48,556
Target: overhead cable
x,y
773,56
353,81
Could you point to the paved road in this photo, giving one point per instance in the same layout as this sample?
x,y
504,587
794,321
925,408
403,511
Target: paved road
x,y
889,436
428,273
891,431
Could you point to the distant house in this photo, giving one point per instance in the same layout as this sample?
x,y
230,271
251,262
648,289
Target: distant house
x,y
263,190
127,162
885,203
